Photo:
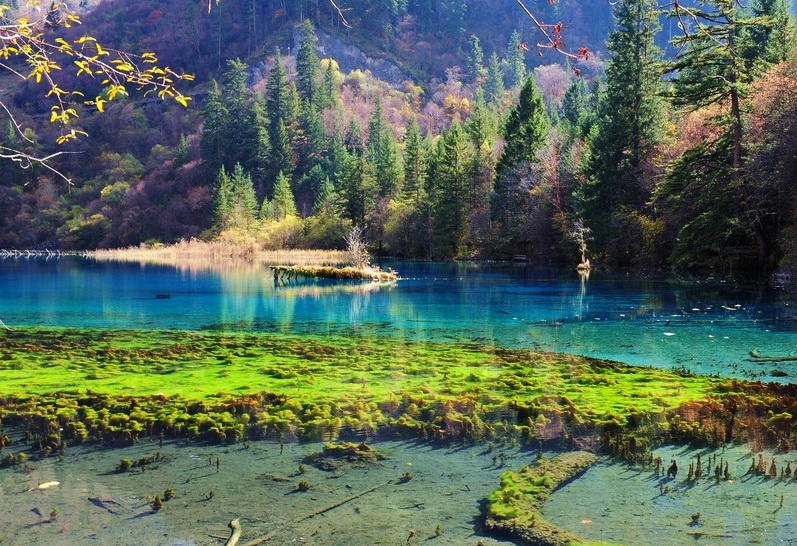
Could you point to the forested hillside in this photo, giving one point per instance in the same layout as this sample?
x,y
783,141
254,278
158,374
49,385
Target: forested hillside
x,y
477,144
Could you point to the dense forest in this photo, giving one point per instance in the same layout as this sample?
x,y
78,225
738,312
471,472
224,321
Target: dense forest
x,y
439,127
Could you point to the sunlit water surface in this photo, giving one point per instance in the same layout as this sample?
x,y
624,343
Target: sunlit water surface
x,y
709,326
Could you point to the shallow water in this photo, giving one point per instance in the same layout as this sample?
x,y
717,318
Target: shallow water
x,y
634,506
706,326
257,483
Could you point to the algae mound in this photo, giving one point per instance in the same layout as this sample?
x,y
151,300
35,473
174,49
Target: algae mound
x,y
343,455
514,509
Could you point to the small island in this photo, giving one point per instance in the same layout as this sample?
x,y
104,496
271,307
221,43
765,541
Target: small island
x,y
287,273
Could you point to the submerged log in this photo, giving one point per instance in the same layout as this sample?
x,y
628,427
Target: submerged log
x,y
514,509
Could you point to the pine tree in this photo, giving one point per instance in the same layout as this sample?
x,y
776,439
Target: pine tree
x,y
181,151
222,202
414,163
242,199
281,155
705,187
376,127
451,198
258,160
214,116
515,62
772,38
307,63
328,92
574,108
454,12
311,141
525,128
277,95
627,130
388,167
357,185
494,86
477,73
354,138
326,199
481,126
283,203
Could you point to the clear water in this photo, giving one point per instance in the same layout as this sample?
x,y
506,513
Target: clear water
x,y
704,325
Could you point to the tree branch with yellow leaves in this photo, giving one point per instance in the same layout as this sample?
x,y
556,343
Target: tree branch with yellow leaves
x,y
30,50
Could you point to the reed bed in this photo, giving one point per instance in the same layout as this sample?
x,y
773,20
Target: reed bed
x,y
223,251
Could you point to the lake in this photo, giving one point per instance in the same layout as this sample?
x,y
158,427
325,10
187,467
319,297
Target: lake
x,y
708,326
704,325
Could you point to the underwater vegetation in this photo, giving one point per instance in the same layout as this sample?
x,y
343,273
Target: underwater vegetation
x,y
514,508
116,387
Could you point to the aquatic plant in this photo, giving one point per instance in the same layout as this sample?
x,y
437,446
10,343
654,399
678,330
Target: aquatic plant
x,y
163,384
514,508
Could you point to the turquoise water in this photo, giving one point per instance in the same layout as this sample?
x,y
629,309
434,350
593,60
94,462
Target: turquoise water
x,y
704,325
709,326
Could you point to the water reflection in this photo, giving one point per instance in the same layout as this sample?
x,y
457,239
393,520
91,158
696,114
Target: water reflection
x,y
707,326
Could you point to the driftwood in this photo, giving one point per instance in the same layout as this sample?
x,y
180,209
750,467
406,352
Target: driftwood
x,y
235,527
756,356
271,534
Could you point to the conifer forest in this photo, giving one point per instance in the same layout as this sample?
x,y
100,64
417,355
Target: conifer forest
x,y
643,134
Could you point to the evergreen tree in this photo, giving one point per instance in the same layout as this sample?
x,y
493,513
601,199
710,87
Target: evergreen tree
x,y
243,201
388,166
494,86
414,163
525,128
326,198
11,134
181,151
358,188
481,126
222,202
214,116
277,95
283,203
451,198
281,153
376,127
772,38
307,63
336,153
574,108
515,62
453,12
354,138
311,141
705,186
328,92
627,130
258,159
477,73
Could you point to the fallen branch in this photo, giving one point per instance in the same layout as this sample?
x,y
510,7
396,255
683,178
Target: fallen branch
x,y
271,534
235,527
756,356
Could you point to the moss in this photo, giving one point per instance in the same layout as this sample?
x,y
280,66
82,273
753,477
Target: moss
x,y
326,387
514,508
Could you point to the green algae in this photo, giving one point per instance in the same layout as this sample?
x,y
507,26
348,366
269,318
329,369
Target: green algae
x,y
514,508
121,385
